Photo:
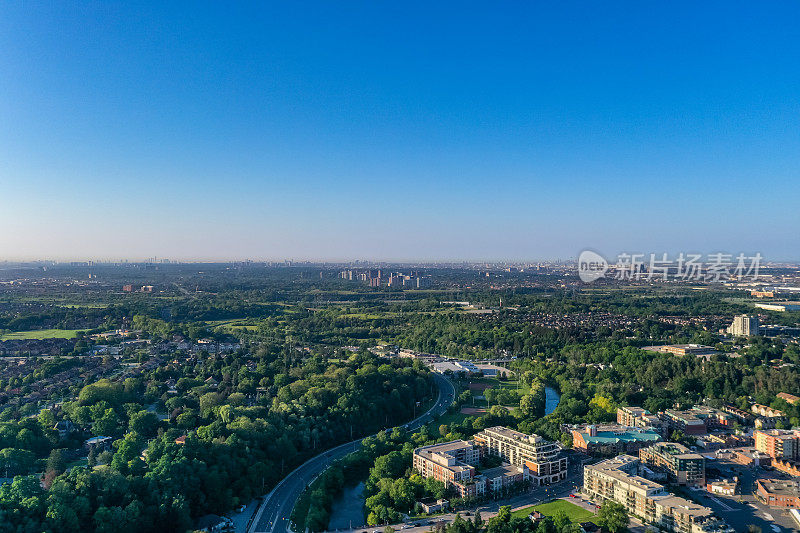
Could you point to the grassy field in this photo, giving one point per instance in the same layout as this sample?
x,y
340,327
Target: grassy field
x,y
448,419
39,334
237,323
575,513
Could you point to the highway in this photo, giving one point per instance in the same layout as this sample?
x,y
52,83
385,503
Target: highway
x,y
273,514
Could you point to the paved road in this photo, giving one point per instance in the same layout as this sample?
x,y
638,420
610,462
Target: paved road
x,y
562,489
273,514
487,510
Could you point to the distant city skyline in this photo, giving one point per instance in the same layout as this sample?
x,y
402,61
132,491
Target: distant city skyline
x,y
410,132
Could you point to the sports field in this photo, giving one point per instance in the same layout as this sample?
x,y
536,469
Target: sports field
x,y
39,334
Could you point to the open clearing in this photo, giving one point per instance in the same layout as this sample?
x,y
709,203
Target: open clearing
x,y
39,334
575,513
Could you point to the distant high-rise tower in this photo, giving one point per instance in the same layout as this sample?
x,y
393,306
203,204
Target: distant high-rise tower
x,y
744,326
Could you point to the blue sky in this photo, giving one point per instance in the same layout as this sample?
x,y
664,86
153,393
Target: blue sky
x,y
398,131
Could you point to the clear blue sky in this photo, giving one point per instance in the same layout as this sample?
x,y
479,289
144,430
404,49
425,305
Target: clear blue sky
x,y
398,130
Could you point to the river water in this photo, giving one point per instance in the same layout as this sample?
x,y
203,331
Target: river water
x,y
347,510
552,397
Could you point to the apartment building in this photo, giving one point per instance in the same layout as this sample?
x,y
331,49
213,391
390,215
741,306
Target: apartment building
x,y
453,463
636,417
680,464
502,477
612,439
686,421
616,479
713,418
542,460
744,326
778,443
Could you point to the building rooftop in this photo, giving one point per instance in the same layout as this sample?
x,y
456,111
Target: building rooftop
x,y
782,433
613,434
678,450
498,471
440,454
445,447
636,410
687,417
791,398
618,468
683,505
516,435
781,487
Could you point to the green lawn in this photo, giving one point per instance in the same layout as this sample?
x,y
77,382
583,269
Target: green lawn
x,y
39,334
575,513
236,323
511,384
447,418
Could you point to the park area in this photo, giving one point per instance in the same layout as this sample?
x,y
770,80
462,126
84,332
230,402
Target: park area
x,y
575,513
488,391
40,334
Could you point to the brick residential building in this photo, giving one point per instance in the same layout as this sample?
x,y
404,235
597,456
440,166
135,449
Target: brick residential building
x,y
778,443
453,463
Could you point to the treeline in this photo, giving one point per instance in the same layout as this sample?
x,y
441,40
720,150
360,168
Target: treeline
x,y
385,454
593,379
235,442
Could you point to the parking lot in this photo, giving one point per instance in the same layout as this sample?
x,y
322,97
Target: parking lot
x,y
744,509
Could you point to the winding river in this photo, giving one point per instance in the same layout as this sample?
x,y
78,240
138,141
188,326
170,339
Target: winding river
x,y
552,397
347,508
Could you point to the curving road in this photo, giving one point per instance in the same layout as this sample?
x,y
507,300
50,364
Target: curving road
x,y
272,515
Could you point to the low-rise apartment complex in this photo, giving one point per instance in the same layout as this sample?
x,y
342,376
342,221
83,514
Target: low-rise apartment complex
x,y
685,421
543,460
783,446
454,463
778,443
680,464
636,417
617,479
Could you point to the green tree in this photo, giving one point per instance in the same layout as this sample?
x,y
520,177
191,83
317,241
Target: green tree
x,y
613,517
